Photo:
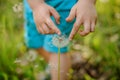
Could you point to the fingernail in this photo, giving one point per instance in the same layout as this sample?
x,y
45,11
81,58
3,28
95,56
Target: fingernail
x,y
59,33
66,19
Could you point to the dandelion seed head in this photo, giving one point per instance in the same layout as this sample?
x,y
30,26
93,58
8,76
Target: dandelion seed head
x,y
18,8
31,56
60,40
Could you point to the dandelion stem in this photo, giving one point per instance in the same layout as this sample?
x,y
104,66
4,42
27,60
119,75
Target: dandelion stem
x,y
58,63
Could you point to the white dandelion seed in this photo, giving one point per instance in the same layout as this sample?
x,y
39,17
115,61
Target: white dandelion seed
x,y
17,61
31,56
60,41
18,8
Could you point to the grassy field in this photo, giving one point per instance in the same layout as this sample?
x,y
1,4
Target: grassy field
x,y
103,44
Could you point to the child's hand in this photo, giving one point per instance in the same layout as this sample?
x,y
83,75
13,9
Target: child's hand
x,y
85,14
44,24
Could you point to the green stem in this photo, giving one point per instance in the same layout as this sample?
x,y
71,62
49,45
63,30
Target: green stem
x,y
58,63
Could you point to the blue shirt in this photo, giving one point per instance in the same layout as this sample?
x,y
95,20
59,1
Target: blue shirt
x,y
59,5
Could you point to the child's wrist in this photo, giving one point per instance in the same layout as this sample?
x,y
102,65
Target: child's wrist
x,y
36,3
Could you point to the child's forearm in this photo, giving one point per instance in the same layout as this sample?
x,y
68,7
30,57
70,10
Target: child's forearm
x,y
35,3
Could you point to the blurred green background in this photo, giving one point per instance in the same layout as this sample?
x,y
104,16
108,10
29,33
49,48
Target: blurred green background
x,y
19,63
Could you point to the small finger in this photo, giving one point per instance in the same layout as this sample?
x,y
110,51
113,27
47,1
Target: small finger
x,y
40,30
86,28
45,28
52,32
51,25
76,27
92,26
71,15
56,15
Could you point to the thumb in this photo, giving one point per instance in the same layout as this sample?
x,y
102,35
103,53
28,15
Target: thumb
x,y
71,15
56,15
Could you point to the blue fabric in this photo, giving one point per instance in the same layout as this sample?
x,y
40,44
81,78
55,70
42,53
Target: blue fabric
x,y
34,39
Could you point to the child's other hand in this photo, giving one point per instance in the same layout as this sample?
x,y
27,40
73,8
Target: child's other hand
x,y
44,24
85,14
